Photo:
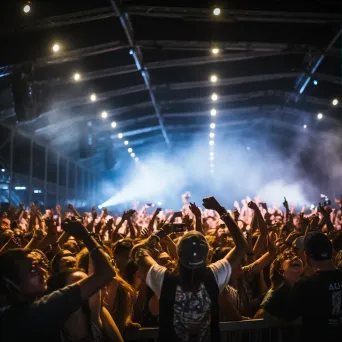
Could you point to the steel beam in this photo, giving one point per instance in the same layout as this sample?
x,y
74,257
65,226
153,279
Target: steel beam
x,y
137,55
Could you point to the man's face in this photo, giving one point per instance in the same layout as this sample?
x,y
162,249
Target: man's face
x,y
33,277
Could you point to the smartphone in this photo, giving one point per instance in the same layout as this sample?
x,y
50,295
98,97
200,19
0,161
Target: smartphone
x,y
177,227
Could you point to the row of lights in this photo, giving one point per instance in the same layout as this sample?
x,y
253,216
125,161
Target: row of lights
x,y
213,112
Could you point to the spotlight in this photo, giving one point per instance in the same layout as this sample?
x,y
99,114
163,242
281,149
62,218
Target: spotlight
x,y
126,142
104,115
120,135
130,150
217,11
211,135
211,154
212,166
214,97
213,112
136,159
335,102
160,203
215,51
211,142
212,125
2,170
211,158
99,206
315,82
305,126
213,78
55,47
113,124
93,97
27,7
77,76
319,116
132,155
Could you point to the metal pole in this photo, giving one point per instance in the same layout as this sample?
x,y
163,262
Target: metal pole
x,y
57,181
67,180
76,181
45,176
11,167
31,170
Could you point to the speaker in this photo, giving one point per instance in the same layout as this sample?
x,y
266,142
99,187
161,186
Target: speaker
x,y
24,93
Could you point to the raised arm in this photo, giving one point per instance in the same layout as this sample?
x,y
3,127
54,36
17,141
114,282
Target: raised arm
x,y
198,215
151,224
241,246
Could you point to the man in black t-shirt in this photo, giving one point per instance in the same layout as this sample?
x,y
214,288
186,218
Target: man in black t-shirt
x,y
318,298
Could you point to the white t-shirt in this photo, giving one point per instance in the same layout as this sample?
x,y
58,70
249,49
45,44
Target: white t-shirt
x,y
221,269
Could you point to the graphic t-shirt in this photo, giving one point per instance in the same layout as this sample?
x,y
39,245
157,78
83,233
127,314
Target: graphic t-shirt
x,y
191,311
318,300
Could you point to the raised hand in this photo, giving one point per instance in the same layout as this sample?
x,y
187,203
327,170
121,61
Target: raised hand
x,y
195,210
285,203
75,228
211,203
252,205
70,206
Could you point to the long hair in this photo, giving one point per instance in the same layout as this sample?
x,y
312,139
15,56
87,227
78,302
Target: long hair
x,y
190,280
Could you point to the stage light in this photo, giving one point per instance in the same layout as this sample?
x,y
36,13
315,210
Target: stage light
x,y
55,47
312,206
2,170
130,150
213,112
212,166
211,154
315,82
305,126
104,114
212,125
319,116
132,155
99,206
335,102
113,124
211,142
214,97
20,188
215,51
159,203
136,159
93,97
213,78
120,135
211,135
217,11
27,7
77,76
126,142
37,191
211,158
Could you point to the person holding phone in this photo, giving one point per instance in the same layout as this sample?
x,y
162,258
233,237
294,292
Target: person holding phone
x,y
189,309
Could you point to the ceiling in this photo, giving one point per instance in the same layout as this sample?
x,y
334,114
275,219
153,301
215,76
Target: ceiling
x,y
150,68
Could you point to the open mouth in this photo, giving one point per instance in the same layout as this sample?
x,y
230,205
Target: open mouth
x,y
296,263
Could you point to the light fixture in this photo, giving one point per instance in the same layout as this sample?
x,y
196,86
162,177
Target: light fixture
x,y
305,126
99,206
217,11
37,191
211,135
93,97
2,170
113,124
27,7
215,51
20,188
212,125
319,116
136,159
104,115
77,76
212,166
335,102
211,158
130,150
120,135
132,155
211,154
315,82
214,97
213,112
126,142
213,78
211,142
55,47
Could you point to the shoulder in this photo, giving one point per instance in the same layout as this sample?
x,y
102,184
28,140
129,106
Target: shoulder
x,y
222,272
155,278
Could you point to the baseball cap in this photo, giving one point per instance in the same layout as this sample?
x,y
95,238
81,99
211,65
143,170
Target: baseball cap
x,y
193,250
318,246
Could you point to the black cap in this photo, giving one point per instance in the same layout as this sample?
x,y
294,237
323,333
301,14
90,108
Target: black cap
x,y
318,246
193,250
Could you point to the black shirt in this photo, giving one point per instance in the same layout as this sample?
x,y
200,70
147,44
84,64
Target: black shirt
x,y
41,320
318,300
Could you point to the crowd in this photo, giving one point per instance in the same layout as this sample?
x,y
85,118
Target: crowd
x,y
95,276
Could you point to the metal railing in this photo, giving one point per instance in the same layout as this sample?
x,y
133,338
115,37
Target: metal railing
x,y
257,330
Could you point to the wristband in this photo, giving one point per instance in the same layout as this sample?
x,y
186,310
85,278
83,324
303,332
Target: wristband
x,y
94,249
224,216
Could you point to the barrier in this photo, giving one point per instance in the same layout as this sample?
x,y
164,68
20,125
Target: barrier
x,y
257,330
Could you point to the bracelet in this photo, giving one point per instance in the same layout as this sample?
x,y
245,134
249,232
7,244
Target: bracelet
x,y
94,249
224,216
